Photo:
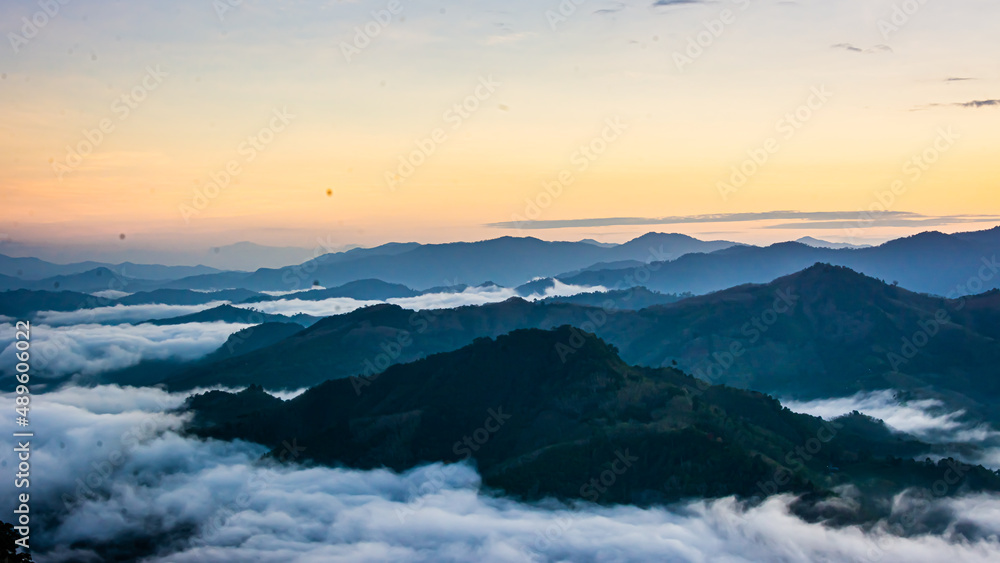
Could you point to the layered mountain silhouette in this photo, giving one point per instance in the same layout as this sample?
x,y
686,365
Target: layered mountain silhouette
x,y
931,262
507,261
539,423
36,269
811,241
826,331
98,279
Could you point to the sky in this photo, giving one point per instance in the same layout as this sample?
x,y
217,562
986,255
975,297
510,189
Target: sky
x,y
192,124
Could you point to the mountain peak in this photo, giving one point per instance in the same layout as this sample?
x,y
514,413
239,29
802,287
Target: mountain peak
x,y
651,236
822,273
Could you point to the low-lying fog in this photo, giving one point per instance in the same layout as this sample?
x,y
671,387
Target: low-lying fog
x,y
110,468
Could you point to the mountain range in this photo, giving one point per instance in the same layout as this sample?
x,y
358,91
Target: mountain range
x,y
931,262
826,331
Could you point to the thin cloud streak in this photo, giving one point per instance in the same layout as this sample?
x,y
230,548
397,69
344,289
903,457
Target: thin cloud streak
x,y
818,219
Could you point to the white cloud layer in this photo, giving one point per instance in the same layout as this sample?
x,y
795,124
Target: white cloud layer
x,y
110,463
927,419
111,294
471,296
121,314
93,349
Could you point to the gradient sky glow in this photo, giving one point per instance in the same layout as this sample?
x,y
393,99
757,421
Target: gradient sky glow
x,y
227,74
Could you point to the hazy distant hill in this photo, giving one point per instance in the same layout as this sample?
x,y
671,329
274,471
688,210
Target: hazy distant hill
x,y
538,424
817,243
98,279
507,261
930,262
35,269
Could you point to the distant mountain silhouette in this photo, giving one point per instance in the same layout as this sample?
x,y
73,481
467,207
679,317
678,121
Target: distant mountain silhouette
x,y
817,243
929,262
248,256
98,279
507,261
36,269
598,243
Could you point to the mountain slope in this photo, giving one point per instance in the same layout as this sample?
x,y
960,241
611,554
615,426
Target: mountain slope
x,y
253,338
587,426
23,303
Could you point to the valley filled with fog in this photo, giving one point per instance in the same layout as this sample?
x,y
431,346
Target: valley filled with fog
x,y
199,425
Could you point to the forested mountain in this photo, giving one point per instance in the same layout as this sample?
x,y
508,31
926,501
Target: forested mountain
x,y
538,423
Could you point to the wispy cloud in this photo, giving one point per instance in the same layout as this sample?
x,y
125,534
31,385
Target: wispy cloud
x,y
817,219
471,296
660,3
509,38
869,51
974,104
979,103
89,350
885,221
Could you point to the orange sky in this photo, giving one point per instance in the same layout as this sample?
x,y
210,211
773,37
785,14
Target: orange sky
x,y
542,95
